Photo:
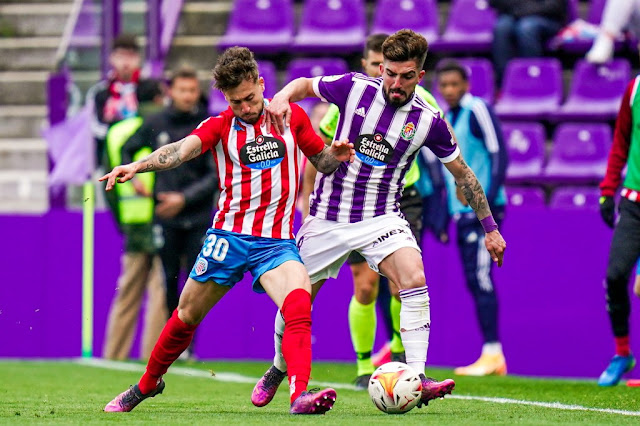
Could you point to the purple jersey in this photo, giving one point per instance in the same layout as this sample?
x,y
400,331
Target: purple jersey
x,y
386,138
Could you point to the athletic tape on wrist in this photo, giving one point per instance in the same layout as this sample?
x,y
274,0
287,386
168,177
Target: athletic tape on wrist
x,y
489,224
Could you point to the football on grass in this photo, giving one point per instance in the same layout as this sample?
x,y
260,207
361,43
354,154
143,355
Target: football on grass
x,y
395,388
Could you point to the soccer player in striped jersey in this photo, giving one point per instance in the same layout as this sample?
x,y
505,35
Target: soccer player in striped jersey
x,y
480,140
368,288
252,229
355,208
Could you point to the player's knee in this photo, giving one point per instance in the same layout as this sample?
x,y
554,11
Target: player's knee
x,y
412,279
189,314
366,293
616,277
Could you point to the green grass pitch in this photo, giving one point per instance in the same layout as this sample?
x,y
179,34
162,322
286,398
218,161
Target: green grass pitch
x,y
73,393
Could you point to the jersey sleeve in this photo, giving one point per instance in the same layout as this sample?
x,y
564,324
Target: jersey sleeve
x,y
306,138
334,88
441,142
329,123
209,132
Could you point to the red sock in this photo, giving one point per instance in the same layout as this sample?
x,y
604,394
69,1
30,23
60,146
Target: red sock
x,y
174,339
296,341
622,346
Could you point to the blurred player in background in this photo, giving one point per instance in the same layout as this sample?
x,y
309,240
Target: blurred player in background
x,y
481,143
625,246
183,196
252,230
141,265
355,208
366,282
115,98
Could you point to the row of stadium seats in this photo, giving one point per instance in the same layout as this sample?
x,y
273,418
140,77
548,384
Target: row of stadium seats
x,y
565,198
532,88
340,26
578,153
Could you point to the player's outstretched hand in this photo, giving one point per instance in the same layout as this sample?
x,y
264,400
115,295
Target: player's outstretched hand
x,y
496,245
278,114
343,150
119,174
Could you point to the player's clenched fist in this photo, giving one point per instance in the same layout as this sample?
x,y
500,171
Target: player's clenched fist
x,y
496,245
119,174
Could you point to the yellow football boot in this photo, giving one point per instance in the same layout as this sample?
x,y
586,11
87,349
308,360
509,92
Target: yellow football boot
x,y
486,365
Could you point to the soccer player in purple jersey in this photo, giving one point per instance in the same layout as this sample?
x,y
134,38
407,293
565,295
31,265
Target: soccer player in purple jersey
x,y
355,208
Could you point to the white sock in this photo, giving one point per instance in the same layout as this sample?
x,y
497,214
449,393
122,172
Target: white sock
x,y
415,324
492,348
278,359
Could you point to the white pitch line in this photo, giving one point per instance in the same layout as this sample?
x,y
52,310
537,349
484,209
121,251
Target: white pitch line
x,y
239,378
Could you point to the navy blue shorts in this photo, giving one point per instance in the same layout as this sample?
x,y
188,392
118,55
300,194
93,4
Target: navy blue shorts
x,y
226,256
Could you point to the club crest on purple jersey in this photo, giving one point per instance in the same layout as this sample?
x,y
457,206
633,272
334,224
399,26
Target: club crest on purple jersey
x,y
408,131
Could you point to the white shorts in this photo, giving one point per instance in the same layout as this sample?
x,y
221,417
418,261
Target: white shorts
x,y
325,244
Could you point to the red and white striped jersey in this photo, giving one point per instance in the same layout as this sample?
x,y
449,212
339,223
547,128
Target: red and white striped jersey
x,y
258,171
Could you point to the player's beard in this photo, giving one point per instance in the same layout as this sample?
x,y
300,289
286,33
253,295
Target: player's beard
x,y
253,117
396,102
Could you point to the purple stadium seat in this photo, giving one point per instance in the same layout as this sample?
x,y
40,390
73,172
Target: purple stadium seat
x,y
575,197
419,15
520,196
596,91
264,26
217,102
579,153
481,77
532,89
525,145
336,26
313,67
469,29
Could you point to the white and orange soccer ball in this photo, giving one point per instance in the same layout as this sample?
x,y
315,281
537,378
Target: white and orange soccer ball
x,y
395,388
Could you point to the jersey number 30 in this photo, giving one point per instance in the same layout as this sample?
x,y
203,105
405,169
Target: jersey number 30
x,y
215,247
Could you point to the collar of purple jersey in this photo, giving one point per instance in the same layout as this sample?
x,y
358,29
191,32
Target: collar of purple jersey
x,y
404,107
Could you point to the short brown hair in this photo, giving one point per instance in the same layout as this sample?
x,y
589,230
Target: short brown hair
x,y
374,44
125,41
405,45
183,72
235,65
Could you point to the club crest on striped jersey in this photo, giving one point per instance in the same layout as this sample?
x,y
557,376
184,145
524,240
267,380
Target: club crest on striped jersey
x,y
408,132
373,150
263,153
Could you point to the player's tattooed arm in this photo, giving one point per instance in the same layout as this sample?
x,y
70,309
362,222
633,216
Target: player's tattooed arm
x,y
164,158
468,184
324,162
328,160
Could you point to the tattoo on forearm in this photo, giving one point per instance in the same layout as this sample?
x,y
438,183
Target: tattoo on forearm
x,y
473,192
164,158
324,162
